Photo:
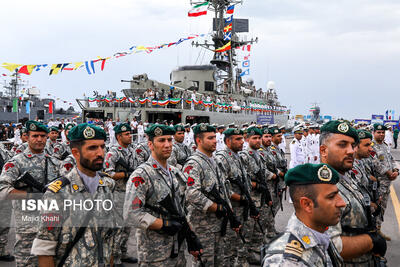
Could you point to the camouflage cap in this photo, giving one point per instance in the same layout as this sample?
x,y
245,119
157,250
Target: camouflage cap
x,y
340,127
86,131
36,126
122,127
232,131
160,130
364,134
179,128
253,131
379,127
312,174
69,126
203,128
54,128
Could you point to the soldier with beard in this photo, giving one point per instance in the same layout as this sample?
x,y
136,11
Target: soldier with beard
x,y
180,152
79,235
51,140
355,235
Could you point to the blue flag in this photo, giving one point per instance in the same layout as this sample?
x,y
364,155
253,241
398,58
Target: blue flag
x,y
227,36
246,72
229,19
28,107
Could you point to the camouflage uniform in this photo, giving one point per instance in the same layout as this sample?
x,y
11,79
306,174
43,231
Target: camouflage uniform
x,y
5,211
67,164
299,246
384,156
96,244
202,175
180,153
256,170
147,186
43,169
50,145
111,167
235,172
356,217
61,149
21,148
142,153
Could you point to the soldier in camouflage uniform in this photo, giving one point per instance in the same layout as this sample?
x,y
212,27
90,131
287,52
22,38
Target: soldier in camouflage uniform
x,y
234,171
382,152
51,140
142,152
62,150
43,169
80,236
356,233
259,175
180,152
206,193
119,164
317,205
22,147
153,204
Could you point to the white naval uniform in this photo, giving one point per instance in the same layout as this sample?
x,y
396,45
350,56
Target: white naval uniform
x,y
220,141
297,153
282,145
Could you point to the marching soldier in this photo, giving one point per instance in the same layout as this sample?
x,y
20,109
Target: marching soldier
x,y
24,138
24,177
297,156
51,140
153,204
233,169
258,175
79,235
62,150
142,152
208,197
119,164
180,152
356,236
317,205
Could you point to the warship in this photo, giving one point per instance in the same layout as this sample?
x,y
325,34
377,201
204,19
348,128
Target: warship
x,y
212,93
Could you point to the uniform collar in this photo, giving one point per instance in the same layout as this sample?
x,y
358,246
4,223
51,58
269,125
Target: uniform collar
x,y
156,165
76,180
28,153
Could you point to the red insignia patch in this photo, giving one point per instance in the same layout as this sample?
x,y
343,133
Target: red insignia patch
x,y
230,153
139,150
273,152
155,166
250,152
109,155
355,171
136,203
8,166
137,181
194,148
107,165
190,181
262,154
56,150
18,151
68,166
188,169
29,155
119,148
373,153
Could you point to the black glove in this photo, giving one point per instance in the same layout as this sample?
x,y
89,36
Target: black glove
x,y
221,212
379,244
234,221
171,227
243,201
193,242
260,188
254,212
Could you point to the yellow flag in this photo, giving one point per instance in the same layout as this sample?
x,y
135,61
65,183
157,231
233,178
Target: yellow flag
x,y
78,65
11,66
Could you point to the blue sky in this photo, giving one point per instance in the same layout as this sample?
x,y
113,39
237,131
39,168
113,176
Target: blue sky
x,y
341,54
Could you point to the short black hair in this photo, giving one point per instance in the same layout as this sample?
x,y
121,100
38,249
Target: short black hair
x,y
198,135
297,191
324,136
77,144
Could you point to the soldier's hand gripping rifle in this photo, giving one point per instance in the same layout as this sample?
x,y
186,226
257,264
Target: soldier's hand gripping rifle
x,y
126,167
169,210
64,155
30,182
233,220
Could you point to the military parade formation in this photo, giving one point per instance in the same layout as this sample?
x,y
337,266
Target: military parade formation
x,y
195,195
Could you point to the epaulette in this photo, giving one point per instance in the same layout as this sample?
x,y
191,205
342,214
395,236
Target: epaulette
x,y
272,147
105,174
56,185
372,143
294,248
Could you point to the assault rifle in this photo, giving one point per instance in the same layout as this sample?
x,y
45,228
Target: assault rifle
x,y
125,165
30,182
64,155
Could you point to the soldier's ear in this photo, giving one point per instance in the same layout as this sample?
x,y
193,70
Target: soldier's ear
x,y
306,204
323,151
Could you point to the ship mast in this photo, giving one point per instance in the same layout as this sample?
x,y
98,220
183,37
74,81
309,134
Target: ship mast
x,y
224,61
12,90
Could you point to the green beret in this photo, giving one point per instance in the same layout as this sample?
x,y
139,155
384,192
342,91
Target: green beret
x,y
340,127
203,128
379,127
54,128
86,131
69,126
274,131
24,130
312,174
179,128
364,134
159,130
265,130
253,131
36,126
122,127
232,131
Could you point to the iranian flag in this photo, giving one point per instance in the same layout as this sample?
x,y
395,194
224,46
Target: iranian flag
x,y
199,10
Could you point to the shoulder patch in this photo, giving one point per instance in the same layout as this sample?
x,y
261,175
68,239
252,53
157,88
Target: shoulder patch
x,y
56,185
188,169
8,165
294,248
105,174
137,181
139,151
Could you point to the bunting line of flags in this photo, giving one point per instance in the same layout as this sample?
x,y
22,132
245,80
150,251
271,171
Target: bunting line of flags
x,y
246,61
227,30
89,65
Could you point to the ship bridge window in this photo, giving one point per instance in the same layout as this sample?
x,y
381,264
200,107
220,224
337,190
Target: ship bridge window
x,y
208,86
176,82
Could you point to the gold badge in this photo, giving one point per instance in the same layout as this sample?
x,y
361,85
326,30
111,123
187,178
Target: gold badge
x,y
123,128
343,127
75,187
306,239
32,127
203,127
101,182
381,157
89,133
294,247
55,186
158,131
325,174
